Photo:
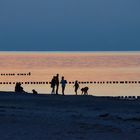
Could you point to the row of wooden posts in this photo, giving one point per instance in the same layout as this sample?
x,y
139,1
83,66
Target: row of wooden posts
x,y
83,82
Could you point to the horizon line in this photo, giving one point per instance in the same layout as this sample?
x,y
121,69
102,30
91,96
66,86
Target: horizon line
x,y
70,52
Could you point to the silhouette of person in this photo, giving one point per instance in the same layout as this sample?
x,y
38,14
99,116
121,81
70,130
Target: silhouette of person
x,y
63,83
19,88
76,85
85,91
57,83
53,82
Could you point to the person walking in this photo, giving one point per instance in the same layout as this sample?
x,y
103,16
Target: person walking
x,y
57,83
53,84
63,83
76,85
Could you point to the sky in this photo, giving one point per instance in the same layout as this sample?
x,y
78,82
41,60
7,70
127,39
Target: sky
x,y
69,25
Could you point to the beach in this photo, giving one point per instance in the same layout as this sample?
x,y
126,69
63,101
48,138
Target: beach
x,y
69,70
41,117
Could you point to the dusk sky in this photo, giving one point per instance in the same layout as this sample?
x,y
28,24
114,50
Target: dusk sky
x,y
69,25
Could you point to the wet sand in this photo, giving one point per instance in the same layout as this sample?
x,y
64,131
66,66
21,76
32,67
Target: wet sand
x,y
41,117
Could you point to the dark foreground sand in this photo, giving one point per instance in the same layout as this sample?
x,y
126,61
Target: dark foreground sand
x,y
51,117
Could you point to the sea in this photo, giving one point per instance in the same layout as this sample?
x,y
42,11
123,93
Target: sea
x,y
96,70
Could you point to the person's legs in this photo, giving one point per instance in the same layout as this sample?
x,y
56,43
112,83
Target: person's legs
x,y
53,89
57,87
63,89
76,90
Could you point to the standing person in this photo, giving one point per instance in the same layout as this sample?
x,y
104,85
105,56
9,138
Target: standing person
x,y
76,85
57,83
63,83
53,81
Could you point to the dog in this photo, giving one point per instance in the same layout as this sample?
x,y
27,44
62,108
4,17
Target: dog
x,y
34,91
84,91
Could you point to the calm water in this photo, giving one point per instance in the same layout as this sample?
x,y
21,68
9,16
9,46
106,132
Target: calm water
x,y
85,66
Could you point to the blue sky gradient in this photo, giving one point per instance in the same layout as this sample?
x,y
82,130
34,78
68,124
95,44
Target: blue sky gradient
x,y
69,25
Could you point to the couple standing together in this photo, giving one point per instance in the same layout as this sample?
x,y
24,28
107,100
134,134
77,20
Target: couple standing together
x,y
55,83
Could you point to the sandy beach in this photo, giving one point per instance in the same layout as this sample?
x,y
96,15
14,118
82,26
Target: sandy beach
x,y
42,117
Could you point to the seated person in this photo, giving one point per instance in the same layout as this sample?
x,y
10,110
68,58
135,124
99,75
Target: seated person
x,y
19,88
